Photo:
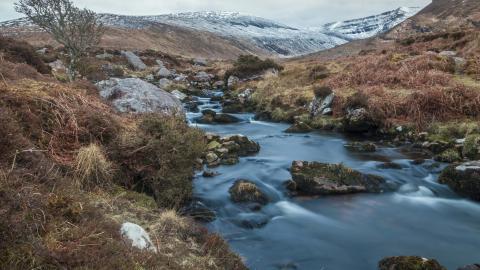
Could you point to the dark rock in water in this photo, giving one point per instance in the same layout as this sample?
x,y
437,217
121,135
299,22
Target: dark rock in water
x,y
299,127
209,112
244,191
359,121
314,178
470,267
233,108
199,211
230,161
290,185
253,221
192,106
361,147
247,146
208,174
226,119
409,263
418,161
263,116
390,165
211,117
216,98
463,178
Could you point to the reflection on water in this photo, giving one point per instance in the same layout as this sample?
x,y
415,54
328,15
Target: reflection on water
x,y
342,232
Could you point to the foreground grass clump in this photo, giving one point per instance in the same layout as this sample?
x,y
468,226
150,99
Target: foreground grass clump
x,y
158,156
92,169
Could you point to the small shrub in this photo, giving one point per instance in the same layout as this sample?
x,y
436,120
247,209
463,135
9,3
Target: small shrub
x,y
358,100
449,156
22,52
249,65
91,68
322,91
471,147
319,73
92,169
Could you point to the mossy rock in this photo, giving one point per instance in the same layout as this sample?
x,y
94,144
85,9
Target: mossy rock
x,y
299,127
390,165
361,147
314,178
409,263
471,147
449,156
244,191
463,178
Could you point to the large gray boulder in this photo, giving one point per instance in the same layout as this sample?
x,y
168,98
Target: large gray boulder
x,y
164,73
322,106
134,60
138,96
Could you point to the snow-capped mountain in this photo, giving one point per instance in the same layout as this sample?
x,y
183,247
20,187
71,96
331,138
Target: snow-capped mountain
x,y
265,34
372,25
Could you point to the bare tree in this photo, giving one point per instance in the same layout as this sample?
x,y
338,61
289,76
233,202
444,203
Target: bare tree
x,y
76,29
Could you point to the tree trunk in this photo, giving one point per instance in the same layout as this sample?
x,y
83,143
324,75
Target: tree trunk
x,y
72,66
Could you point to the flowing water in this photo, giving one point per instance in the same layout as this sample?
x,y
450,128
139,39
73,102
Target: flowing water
x,y
348,232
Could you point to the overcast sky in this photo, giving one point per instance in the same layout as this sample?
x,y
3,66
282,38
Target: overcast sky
x,y
292,12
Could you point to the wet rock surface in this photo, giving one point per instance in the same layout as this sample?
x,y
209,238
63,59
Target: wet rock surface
x,y
463,178
315,178
409,263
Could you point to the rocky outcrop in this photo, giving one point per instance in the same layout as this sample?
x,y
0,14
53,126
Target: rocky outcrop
x,y
244,191
314,178
322,106
135,62
138,96
409,263
227,150
137,236
463,178
359,121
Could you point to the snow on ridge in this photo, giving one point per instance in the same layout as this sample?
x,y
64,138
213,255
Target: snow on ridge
x,y
266,34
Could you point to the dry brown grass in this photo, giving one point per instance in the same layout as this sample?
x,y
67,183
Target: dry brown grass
x,y
92,169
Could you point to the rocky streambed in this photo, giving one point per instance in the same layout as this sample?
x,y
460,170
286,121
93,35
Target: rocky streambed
x,y
279,208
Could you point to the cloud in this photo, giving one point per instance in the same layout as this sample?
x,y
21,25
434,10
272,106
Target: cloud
x,y
292,12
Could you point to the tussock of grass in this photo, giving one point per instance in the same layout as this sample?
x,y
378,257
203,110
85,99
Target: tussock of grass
x,y
92,169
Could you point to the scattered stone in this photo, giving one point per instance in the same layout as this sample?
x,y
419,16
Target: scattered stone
x,y
138,96
224,118
322,106
232,81
150,78
409,263
418,161
57,65
164,83
164,73
211,158
42,51
160,63
244,191
218,84
230,160
361,147
138,237
314,178
181,96
463,179
134,60
202,76
448,53
104,56
299,127
200,62
247,146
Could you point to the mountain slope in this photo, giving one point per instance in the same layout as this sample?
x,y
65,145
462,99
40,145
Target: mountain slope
x,y
232,33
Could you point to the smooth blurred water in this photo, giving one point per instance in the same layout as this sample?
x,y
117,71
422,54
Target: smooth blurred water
x,y
351,232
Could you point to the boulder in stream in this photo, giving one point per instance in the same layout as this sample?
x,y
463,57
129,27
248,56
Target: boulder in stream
x,y
409,263
361,147
315,178
244,191
463,178
299,127
470,267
